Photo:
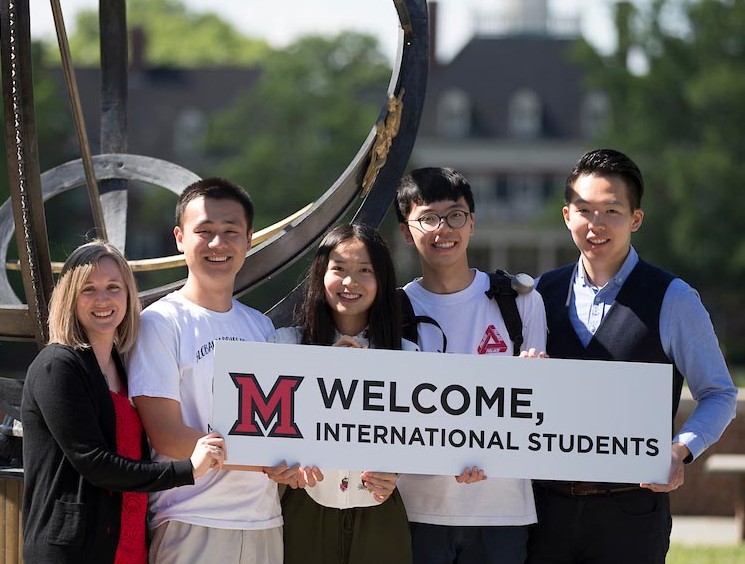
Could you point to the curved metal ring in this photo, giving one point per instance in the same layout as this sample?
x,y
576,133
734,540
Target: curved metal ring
x,y
408,84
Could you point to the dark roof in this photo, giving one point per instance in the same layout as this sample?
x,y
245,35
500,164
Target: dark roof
x,y
490,70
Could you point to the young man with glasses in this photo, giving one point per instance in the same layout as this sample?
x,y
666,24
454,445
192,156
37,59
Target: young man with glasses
x,y
467,519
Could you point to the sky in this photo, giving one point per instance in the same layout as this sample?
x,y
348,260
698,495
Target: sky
x,y
281,21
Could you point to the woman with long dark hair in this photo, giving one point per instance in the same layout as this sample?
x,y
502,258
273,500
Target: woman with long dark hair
x,y
348,516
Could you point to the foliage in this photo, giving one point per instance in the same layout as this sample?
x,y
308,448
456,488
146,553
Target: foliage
x,y
292,135
174,37
738,376
681,120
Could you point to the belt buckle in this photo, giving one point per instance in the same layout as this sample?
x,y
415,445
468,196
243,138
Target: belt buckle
x,y
579,489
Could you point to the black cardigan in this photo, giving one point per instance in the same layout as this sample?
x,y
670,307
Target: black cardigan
x,y
73,476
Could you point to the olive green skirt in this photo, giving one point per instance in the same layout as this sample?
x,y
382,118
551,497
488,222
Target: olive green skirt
x,y
315,534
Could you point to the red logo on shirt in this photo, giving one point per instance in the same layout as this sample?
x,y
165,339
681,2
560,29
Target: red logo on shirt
x,y
492,342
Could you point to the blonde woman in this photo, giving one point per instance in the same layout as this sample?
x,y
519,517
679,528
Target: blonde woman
x,y
84,497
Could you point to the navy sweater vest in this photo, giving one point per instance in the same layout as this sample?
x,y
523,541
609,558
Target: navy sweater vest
x,y
630,330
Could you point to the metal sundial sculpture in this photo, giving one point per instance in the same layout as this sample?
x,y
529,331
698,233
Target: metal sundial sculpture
x,y
368,182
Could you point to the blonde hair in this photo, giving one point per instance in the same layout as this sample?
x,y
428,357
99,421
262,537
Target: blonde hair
x,y
64,326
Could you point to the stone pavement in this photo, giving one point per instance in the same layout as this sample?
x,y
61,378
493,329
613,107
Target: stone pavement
x,y
704,530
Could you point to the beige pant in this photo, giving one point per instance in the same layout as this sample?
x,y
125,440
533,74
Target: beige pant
x,y
175,542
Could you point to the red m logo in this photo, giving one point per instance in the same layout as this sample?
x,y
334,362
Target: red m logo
x,y
252,403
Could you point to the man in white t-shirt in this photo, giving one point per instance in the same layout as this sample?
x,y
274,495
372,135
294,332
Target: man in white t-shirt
x,y
231,516
468,519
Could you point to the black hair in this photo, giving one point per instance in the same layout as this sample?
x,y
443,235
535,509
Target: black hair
x,y
608,162
218,189
384,321
431,184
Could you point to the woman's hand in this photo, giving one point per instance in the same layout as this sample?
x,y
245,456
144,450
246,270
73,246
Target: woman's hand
x,y
379,484
209,454
347,341
308,476
470,476
533,353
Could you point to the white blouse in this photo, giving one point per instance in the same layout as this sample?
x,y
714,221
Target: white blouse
x,y
340,489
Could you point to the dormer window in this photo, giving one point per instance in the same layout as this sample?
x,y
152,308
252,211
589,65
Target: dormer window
x,y
595,114
188,130
454,114
525,114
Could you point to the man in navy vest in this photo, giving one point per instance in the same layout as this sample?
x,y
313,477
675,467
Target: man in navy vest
x,y
610,305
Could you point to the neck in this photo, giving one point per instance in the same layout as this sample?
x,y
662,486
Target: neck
x,y
350,327
600,274
218,298
105,359
446,280
103,349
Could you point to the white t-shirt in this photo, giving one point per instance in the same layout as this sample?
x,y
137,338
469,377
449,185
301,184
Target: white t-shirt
x,y
473,324
173,359
340,489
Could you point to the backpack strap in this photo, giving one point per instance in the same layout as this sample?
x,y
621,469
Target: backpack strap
x,y
501,290
410,321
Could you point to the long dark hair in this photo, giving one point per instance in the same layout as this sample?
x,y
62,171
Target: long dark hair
x,y
384,321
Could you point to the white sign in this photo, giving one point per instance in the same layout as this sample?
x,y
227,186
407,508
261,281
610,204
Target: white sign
x,y
432,413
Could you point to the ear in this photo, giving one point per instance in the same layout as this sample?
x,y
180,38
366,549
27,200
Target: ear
x,y
637,217
472,220
250,237
179,236
406,232
565,214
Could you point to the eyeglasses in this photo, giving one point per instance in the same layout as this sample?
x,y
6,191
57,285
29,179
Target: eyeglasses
x,y
432,221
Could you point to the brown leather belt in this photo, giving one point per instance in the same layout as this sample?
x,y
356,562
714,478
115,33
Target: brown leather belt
x,y
586,488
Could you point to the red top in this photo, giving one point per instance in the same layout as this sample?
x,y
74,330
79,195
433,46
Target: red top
x,y
131,548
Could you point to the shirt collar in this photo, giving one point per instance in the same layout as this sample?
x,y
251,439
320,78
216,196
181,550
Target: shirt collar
x,y
628,265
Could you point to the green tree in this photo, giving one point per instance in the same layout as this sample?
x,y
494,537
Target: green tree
x,y
681,119
174,37
292,135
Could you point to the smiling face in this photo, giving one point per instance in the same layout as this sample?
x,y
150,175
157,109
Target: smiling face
x,y
443,250
214,238
601,221
102,302
350,286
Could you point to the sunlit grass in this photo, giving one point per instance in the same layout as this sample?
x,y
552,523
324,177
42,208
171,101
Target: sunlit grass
x,y
684,554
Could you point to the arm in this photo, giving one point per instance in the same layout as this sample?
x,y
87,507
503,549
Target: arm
x,y
155,377
533,315
73,405
689,340
161,418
